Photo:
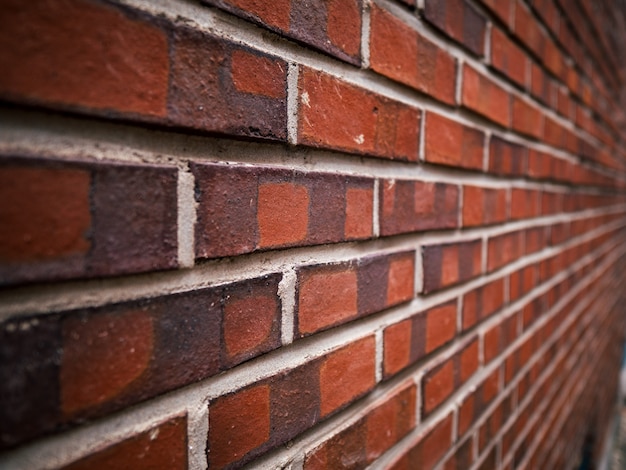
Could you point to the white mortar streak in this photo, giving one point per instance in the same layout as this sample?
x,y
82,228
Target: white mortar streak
x,y
293,96
458,91
379,354
422,137
70,138
418,280
487,151
365,35
376,209
287,294
197,434
186,218
488,45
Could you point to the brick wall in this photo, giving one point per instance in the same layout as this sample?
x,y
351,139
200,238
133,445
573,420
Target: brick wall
x,y
311,234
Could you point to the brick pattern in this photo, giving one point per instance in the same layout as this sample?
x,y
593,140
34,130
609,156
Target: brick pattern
x,y
329,234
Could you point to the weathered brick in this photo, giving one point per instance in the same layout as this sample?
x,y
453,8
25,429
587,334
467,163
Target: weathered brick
x,y
238,424
346,374
332,26
241,209
100,219
402,54
483,96
430,448
483,206
226,95
446,265
508,58
336,115
452,143
459,20
162,446
410,206
482,302
368,438
506,158
527,119
45,63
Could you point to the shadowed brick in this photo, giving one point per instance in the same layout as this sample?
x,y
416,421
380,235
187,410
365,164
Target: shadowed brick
x,y
459,20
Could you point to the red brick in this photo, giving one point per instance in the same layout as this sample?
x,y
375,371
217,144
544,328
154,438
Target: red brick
x,y
397,349
539,164
508,58
483,96
257,75
241,209
238,423
218,97
45,63
251,320
501,8
410,206
400,279
346,374
527,29
522,282
527,119
402,54
540,84
459,20
332,26
55,198
102,356
483,206
437,385
524,203
440,326
503,249
430,448
467,362
282,214
452,143
482,302
326,297
445,265
506,158
164,446
359,212
336,115
101,219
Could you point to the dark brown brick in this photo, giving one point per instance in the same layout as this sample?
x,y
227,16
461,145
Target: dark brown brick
x,y
411,206
30,355
458,20
72,219
217,97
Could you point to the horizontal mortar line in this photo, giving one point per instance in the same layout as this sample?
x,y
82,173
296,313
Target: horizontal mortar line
x,y
485,371
33,133
56,297
231,27
135,419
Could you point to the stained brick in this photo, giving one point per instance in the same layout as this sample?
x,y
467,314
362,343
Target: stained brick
x,y
226,96
411,206
238,424
100,219
483,96
336,115
332,26
483,206
452,143
402,54
460,21
346,374
446,265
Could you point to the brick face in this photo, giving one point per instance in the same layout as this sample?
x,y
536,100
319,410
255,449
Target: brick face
x,y
325,234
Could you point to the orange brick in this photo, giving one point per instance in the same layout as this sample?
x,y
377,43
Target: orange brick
x,y
283,214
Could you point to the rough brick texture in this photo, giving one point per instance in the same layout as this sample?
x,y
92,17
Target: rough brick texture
x,y
323,234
